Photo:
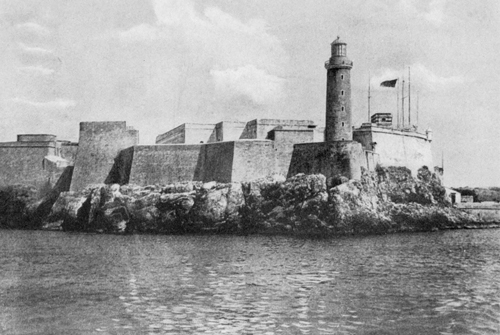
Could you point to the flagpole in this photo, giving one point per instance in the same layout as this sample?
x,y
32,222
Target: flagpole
x,y
417,106
403,101
369,96
397,104
409,98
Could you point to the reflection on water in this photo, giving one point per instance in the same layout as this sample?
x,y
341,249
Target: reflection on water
x,y
438,283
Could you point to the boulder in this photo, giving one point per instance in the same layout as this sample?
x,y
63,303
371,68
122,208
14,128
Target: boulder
x,y
182,187
66,209
218,206
175,211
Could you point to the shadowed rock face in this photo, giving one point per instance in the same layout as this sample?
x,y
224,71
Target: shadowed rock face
x,y
22,207
16,202
390,200
387,200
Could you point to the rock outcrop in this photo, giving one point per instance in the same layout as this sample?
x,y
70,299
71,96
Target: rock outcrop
x,y
391,200
386,200
17,204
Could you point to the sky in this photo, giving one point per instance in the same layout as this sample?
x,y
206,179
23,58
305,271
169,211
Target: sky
x,y
159,63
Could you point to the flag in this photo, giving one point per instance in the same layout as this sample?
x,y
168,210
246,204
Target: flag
x,y
389,83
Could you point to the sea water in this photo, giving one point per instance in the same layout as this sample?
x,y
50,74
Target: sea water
x,y
423,283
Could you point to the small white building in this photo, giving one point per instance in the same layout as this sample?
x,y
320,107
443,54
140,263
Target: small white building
x,y
453,196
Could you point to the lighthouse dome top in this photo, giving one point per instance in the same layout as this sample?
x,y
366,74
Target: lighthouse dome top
x,y
338,41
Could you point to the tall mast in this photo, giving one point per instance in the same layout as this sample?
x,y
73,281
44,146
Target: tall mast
x,y
403,101
409,98
397,105
417,107
369,97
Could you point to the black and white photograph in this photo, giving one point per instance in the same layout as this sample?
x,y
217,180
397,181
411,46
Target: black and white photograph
x,y
249,167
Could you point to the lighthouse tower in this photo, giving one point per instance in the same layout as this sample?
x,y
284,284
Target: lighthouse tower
x,y
338,95
339,156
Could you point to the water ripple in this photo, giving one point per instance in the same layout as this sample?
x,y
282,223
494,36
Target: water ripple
x,y
443,283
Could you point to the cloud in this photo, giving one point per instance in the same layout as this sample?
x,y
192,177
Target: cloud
x,y
175,12
35,50
141,33
36,70
226,22
400,13
213,34
249,81
54,104
217,43
421,76
34,28
432,80
436,12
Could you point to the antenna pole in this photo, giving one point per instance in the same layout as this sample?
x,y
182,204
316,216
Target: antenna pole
x,y
409,98
397,104
369,96
417,107
403,101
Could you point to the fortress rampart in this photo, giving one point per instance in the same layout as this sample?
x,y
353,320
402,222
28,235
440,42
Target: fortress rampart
x,y
99,144
224,161
108,152
35,159
228,151
396,147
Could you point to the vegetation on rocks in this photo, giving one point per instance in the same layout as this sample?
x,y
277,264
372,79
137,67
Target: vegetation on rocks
x,y
481,194
386,200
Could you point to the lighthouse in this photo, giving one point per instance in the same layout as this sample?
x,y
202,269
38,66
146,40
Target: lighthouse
x,y
338,94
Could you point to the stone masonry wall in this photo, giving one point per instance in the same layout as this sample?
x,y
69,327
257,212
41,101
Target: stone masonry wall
x,y
24,164
68,150
284,140
170,163
188,133
218,161
333,160
165,164
99,144
253,159
176,135
264,126
229,130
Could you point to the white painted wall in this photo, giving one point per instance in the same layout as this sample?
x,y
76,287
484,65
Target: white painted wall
x,y
396,148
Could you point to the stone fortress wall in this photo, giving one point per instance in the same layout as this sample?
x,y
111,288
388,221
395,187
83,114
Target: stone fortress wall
x,y
108,152
228,151
99,143
35,159
223,162
395,147
234,151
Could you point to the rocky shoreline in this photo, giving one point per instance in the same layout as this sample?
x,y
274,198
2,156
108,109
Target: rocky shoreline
x,y
384,201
